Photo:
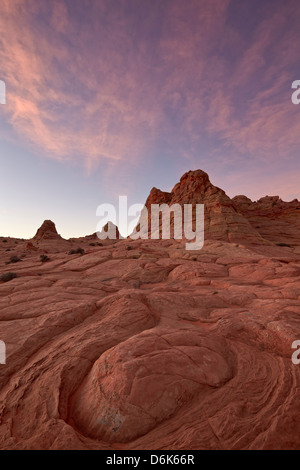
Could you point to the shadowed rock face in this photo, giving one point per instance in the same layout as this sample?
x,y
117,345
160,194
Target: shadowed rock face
x,y
144,345
110,227
274,219
47,231
222,219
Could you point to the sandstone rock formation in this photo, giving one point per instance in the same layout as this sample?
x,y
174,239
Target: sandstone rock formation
x,y
94,237
47,231
274,219
112,230
141,344
222,219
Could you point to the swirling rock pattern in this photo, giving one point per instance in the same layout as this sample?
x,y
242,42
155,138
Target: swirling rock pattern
x,y
151,347
143,345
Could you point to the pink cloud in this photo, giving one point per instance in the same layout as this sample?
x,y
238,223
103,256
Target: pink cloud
x,y
102,117
97,93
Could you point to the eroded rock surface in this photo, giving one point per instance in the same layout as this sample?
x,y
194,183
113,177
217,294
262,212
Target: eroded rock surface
x,y
144,345
276,220
222,219
141,344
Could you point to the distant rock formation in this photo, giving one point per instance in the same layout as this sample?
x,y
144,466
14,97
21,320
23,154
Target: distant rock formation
x,y
267,221
276,220
87,238
113,231
91,237
47,231
222,219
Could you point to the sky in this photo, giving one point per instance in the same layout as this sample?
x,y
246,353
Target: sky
x,y
112,97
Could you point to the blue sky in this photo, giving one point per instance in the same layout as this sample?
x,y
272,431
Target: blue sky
x,y
112,98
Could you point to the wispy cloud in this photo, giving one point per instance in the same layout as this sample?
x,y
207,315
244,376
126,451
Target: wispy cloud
x,y
73,94
95,81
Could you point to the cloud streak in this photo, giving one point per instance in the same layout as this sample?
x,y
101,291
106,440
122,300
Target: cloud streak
x,y
101,81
